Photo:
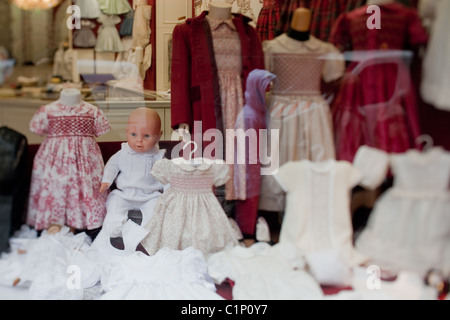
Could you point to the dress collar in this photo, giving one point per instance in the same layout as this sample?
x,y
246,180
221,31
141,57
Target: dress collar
x,y
312,44
214,24
151,152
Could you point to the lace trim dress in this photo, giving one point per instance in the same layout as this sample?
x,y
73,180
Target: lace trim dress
x,y
188,213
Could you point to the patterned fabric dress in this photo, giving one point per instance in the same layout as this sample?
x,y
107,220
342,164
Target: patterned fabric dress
x,y
68,167
227,53
268,19
376,103
298,111
323,14
188,213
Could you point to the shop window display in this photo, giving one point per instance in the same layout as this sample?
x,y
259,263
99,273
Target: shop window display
x,y
374,79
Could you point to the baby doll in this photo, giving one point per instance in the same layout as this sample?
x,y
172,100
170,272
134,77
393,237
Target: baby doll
x,y
68,166
131,203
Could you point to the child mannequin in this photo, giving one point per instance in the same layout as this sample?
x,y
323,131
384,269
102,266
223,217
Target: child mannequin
x,y
68,166
132,203
217,11
300,24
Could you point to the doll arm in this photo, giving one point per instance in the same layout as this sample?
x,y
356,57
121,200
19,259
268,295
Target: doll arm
x,y
110,172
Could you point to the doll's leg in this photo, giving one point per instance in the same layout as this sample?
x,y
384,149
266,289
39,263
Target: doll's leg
x,y
116,215
147,208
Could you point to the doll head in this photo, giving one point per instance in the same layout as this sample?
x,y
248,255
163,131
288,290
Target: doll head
x,y
143,129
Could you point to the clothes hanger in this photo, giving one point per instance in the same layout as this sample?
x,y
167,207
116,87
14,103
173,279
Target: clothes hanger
x,y
320,153
191,153
427,140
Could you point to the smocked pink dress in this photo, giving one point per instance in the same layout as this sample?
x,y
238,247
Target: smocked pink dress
x,y
299,113
68,167
227,53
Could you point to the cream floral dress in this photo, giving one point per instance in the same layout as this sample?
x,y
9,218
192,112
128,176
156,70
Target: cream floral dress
x,y
188,213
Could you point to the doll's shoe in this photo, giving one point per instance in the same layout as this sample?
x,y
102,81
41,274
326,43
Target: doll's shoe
x,y
117,243
135,216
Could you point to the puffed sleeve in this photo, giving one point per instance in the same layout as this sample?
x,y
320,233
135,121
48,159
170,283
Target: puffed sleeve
x,y
373,165
39,122
284,175
161,170
353,174
101,123
221,174
334,67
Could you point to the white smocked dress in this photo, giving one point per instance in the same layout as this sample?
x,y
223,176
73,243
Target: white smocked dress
x,y
409,226
298,110
188,213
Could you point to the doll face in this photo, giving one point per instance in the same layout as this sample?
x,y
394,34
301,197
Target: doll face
x,y
143,131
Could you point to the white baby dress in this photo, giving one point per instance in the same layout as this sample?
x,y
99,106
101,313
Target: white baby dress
x,y
409,227
168,275
108,38
317,217
188,213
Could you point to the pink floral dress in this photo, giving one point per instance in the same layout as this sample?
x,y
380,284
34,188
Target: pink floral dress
x,y
68,167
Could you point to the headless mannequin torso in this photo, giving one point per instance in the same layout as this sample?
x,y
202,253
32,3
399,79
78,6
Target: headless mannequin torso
x,y
217,11
300,24
70,97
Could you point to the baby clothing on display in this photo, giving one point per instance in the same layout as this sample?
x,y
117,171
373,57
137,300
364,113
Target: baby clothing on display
x,y
114,6
167,275
188,213
85,37
137,190
435,79
108,38
264,272
409,226
68,166
376,104
297,108
126,28
89,8
317,217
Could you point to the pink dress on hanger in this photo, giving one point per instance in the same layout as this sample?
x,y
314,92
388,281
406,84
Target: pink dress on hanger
x,y
376,104
68,167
